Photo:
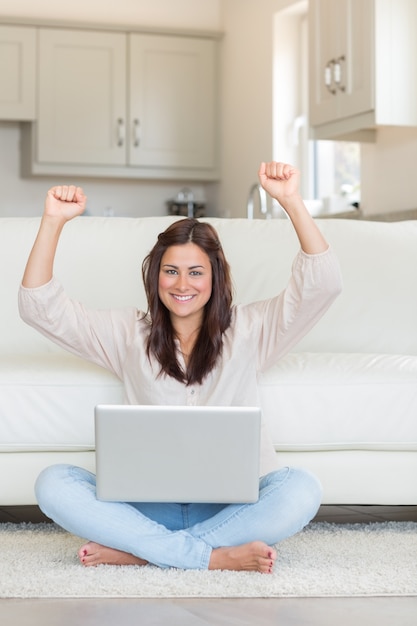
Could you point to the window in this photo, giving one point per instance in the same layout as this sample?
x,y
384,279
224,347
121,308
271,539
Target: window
x,y
330,169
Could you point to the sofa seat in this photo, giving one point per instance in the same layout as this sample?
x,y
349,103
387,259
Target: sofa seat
x,y
351,419
311,402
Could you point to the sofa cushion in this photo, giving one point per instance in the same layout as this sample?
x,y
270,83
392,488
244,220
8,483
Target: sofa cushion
x,y
47,401
341,401
310,401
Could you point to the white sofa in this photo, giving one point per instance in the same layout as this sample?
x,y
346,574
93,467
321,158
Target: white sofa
x,y
343,403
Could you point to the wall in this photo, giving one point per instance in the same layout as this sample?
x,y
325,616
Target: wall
x,y
388,170
247,72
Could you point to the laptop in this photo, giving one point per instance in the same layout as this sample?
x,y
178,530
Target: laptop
x,y
178,454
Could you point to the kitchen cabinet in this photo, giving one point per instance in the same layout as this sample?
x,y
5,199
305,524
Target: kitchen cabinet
x,y
363,64
17,73
172,101
125,105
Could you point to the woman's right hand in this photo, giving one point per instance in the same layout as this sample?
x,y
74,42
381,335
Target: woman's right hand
x,y
62,204
65,201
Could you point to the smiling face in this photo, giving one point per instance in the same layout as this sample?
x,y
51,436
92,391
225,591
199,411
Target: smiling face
x,y
185,282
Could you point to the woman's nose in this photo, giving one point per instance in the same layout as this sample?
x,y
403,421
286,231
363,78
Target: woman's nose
x,y
182,282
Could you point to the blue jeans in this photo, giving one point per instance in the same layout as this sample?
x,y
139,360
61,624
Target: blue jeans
x,y
178,535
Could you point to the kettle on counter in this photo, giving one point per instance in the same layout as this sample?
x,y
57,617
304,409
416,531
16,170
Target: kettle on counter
x,y
185,205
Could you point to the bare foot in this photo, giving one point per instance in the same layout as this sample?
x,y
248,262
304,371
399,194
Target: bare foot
x,y
255,557
95,554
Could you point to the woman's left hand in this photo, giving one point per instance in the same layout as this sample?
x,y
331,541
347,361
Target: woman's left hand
x,y
280,180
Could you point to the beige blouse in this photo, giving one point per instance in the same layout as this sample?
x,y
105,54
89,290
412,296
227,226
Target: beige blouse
x,y
260,333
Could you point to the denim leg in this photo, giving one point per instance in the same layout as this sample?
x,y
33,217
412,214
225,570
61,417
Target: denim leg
x,y
67,495
172,535
288,500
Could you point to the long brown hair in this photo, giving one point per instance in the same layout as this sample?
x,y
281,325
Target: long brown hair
x,y
217,311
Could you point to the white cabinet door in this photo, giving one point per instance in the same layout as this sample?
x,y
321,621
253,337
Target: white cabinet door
x,y
172,101
17,73
82,97
357,64
324,32
341,59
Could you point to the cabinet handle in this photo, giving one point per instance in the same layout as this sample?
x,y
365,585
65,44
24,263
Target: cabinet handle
x,y
136,132
329,76
120,132
338,73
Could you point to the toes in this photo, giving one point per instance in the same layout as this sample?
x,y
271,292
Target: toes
x,y
87,555
88,561
82,552
272,554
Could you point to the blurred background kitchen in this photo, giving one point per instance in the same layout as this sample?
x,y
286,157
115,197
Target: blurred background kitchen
x,y
271,87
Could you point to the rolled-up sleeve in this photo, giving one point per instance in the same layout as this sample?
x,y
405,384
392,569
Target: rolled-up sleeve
x,y
283,321
88,333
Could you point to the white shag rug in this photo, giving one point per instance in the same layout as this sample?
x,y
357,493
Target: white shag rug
x,y
339,560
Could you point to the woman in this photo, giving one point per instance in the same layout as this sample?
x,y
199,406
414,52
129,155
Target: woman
x,y
191,347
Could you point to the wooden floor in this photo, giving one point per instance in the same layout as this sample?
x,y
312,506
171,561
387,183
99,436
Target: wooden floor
x,y
337,514
378,611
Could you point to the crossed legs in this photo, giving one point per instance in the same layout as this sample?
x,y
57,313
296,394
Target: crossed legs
x,y
188,536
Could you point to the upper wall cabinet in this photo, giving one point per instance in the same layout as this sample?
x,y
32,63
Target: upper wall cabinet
x,y
363,66
172,102
125,105
17,73
82,98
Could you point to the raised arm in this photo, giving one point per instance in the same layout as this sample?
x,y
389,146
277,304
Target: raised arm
x,y
281,181
62,204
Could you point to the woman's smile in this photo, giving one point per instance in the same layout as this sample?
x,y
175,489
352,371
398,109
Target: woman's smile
x,y
182,298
